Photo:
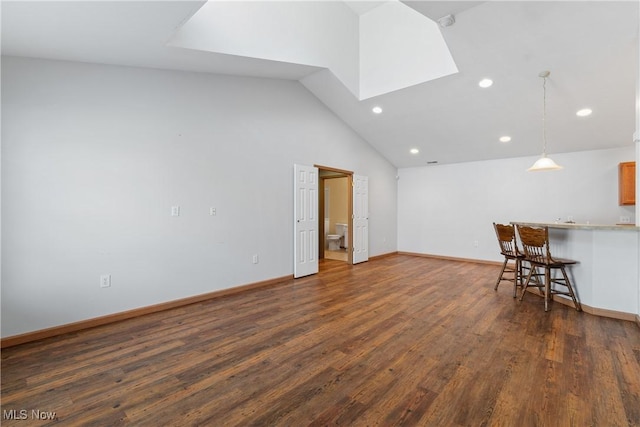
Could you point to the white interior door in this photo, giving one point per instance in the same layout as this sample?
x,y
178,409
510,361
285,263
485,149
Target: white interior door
x,y
305,200
360,218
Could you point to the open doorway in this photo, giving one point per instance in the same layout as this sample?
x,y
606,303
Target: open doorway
x,y
309,218
335,214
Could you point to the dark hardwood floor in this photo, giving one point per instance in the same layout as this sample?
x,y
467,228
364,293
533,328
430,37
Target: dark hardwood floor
x,y
397,341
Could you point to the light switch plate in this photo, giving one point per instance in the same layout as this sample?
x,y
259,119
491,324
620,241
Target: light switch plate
x,y
105,281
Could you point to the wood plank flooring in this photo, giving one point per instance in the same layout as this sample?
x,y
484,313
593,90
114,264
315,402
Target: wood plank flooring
x,y
400,340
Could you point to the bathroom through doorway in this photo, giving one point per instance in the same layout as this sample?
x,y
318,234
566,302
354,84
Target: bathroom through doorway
x,y
335,210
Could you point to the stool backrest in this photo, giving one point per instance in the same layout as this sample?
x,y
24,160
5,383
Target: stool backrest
x,y
535,243
506,239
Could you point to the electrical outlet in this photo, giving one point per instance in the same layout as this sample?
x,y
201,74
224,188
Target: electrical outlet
x,y
175,210
625,220
475,243
255,259
212,211
105,281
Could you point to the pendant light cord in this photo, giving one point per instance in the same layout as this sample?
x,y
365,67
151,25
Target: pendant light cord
x,y
544,116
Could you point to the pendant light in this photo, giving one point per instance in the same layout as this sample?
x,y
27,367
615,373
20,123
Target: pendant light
x,y
544,163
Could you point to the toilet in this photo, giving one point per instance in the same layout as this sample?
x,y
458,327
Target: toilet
x,y
334,241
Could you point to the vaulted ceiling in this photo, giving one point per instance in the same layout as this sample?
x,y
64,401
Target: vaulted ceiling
x,y
590,47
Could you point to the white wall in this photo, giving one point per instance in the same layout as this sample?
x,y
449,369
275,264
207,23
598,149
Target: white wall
x,y
636,138
93,158
444,210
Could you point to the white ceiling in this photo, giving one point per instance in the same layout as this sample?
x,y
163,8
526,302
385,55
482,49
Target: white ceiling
x,y
590,48
363,6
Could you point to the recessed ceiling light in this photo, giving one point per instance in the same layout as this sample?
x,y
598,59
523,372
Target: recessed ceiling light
x,y
584,112
505,138
485,83
377,110
414,151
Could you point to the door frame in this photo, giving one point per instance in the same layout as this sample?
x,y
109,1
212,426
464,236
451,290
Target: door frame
x,y
321,234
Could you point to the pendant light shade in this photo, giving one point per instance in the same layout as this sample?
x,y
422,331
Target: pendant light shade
x,y
544,163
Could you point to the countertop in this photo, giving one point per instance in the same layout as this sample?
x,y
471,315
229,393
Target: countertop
x,y
574,226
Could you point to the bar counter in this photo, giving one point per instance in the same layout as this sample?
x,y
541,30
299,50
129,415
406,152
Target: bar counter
x,y
575,226
606,278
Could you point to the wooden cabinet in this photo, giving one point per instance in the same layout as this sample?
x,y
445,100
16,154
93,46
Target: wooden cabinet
x,y
627,183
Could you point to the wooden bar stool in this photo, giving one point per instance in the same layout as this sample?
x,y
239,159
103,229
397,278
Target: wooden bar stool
x,y
535,243
509,249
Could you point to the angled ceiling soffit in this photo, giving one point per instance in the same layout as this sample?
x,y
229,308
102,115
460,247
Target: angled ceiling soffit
x,y
371,51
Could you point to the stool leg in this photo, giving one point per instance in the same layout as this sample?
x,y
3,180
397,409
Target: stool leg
x,y
526,282
517,276
547,288
570,288
504,266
